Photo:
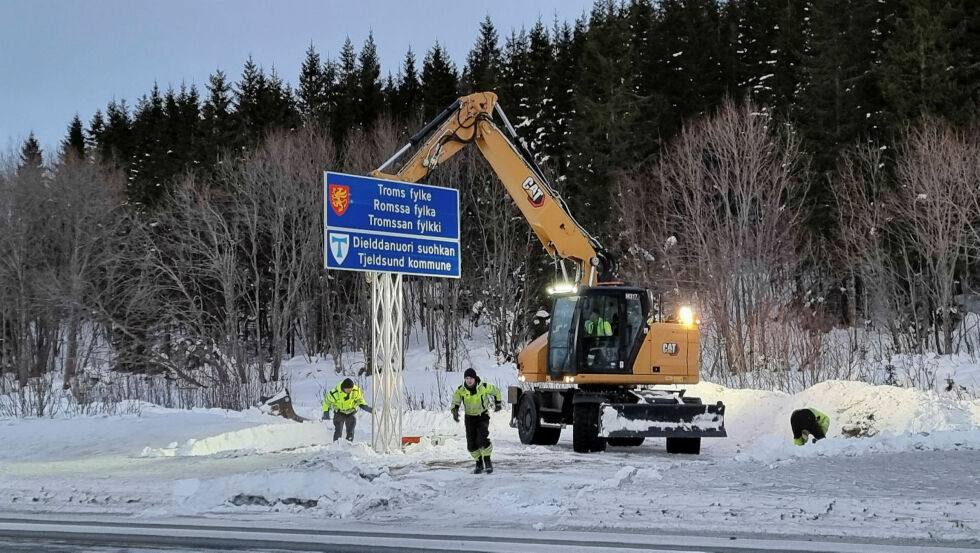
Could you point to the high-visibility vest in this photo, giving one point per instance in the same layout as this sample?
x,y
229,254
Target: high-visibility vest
x,y
601,327
341,401
822,420
477,402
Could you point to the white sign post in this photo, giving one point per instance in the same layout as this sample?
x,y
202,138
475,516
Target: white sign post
x,y
387,229
388,386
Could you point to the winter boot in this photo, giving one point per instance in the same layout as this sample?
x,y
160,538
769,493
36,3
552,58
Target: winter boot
x,y
488,464
479,466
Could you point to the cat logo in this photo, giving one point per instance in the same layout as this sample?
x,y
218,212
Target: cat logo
x,y
339,198
534,193
670,348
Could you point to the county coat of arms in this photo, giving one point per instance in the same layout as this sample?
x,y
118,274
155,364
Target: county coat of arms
x,y
339,198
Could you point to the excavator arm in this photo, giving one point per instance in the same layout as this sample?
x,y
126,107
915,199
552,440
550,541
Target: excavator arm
x,y
469,120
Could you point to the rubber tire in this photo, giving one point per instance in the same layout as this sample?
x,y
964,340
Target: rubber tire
x,y
686,446
625,442
585,428
528,428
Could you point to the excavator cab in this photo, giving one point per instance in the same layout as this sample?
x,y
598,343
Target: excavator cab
x,y
596,330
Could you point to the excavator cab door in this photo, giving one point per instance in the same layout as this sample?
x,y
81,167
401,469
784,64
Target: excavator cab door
x,y
597,331
561,336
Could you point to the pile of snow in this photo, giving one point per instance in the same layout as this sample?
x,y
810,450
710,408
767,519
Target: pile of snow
x,y
886,419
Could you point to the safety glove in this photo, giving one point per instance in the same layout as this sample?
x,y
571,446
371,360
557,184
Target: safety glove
x,y
455,412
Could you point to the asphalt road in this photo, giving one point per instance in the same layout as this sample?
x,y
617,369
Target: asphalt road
x,y
79,535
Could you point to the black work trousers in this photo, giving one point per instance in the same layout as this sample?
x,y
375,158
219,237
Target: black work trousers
x,y
478,435
340,420
804,419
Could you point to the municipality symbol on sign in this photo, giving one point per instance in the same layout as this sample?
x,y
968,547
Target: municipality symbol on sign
x,y
339,246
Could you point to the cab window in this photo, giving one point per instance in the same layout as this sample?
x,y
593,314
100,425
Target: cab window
x,y
561,336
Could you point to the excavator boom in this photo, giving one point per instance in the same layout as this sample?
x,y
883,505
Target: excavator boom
x,y
470,121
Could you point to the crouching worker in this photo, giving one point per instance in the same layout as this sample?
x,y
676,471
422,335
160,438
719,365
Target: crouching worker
x,y
345,399
475,396
808,422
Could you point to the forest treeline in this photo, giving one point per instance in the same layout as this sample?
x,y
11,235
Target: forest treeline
x,y
789,167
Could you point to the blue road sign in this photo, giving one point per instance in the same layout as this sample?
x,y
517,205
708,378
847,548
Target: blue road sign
x,y
390,226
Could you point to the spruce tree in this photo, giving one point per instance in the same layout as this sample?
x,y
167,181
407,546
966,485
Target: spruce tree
x,y
115,140
277,104
312,91
839,99
369,99
73,146
512,90
31,158
917,74
219,126
149,169
389,95
558,105
182,130
343,116
188,127
331,89
483,63
839,103
440,82
540,57
967,62
606,108
752,43
692,57
249,97
96,127
647,72
408,98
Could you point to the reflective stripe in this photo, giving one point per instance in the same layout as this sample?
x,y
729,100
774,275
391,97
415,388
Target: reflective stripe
x,y
476,403
482,452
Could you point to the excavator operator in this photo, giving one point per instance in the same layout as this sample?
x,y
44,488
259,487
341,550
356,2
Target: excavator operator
x,y
597,326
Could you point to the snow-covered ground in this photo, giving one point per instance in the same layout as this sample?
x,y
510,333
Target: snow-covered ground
x,y
915,475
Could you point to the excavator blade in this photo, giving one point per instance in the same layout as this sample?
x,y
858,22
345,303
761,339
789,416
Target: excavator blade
x,y
652,420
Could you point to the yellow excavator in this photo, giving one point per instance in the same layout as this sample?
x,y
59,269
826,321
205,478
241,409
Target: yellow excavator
x,y
607,344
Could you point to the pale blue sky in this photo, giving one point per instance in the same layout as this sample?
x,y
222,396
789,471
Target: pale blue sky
x,y
61,57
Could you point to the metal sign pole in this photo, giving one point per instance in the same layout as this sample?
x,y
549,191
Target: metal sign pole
x,y
387,376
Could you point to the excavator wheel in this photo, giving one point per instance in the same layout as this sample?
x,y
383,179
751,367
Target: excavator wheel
x,y
585,428
689,446
625,442
528,423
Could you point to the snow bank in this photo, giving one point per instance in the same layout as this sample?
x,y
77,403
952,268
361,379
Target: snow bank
x,y
887,419
265,438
